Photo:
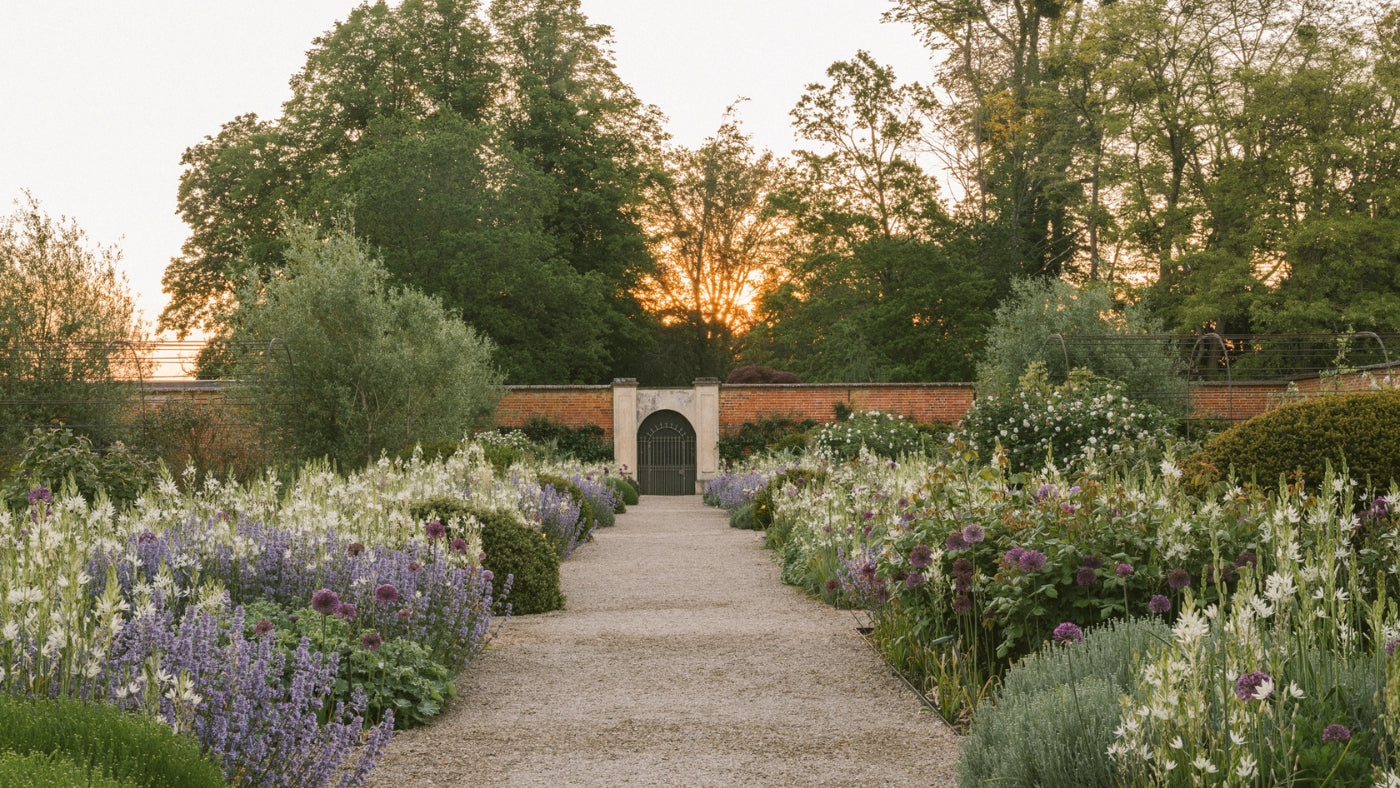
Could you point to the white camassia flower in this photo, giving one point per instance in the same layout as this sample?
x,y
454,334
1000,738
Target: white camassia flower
x,y
1246,768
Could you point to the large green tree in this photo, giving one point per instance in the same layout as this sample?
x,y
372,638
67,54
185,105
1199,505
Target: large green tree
x,y
879,285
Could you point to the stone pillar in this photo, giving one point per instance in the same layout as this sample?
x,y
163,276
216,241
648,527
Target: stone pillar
x,y
706,431
625,425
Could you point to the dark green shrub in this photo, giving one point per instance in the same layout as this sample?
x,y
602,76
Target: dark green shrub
x,y
763,500
758,437
583,443
513,549
1359,430
623,489
127,749
586,510
635,495
54,457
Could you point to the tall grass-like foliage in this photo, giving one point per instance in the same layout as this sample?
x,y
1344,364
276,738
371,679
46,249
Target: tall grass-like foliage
x,y
126,749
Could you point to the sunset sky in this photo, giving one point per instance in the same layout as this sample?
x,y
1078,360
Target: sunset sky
x,y
99,100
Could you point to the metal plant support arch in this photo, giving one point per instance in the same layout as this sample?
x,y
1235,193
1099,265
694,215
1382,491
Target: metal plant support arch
x,y
268,357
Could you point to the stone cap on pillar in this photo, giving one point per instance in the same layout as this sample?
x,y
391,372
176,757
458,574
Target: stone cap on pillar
x,y
619,382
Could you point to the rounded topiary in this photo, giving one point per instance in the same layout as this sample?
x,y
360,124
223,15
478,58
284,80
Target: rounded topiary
x,y
624,492
513,549
1357,430
586,510
763,501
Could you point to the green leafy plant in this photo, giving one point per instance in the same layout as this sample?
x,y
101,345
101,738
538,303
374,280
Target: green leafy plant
x,y
56,457
513,550
764,435
109,743
583,443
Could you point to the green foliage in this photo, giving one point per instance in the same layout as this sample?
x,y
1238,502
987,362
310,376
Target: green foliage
x,y
57,458
1082,418
68,325
109,744
763,500
401,675
623,490
513,549
47,770
884,434
767,434
362,367
742,518
1054,717
587,510
1038,308
583,443
1357,430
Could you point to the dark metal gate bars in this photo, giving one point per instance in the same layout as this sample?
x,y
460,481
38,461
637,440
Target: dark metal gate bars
x,y
666,454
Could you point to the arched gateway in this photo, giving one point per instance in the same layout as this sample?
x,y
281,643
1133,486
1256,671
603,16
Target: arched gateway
x,y
666,456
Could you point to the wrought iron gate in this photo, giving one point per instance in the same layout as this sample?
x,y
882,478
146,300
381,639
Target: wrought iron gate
x,y
666,454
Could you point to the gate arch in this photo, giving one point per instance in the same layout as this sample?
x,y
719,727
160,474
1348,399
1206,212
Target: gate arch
x,y
666,457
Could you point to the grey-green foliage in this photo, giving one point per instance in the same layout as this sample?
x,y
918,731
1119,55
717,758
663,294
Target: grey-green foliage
x,y
373,367
68,326
1037,309
1053,718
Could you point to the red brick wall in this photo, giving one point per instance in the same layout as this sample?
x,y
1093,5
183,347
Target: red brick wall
x,y
574,406
1237,401
739,404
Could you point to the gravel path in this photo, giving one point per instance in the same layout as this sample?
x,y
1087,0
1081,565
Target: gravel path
x,y
681,660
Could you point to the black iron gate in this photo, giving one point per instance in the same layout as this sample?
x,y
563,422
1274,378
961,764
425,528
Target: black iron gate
x,y
666,454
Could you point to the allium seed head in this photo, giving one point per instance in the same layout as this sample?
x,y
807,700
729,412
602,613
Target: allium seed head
x,y
1159,604
1068,633
325,602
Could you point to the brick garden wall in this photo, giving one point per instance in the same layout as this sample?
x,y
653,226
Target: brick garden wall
x,y
574,406
739,404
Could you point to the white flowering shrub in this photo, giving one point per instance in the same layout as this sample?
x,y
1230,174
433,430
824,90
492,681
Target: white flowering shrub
x,y
885,435
1084,418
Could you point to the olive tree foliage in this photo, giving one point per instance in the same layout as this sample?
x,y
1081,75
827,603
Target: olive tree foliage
x,y
68,324
361,366
1038,309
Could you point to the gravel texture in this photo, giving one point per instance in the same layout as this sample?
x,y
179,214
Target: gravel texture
x,y
680,660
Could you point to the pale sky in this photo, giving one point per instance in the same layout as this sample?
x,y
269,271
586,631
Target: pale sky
x,y
98,100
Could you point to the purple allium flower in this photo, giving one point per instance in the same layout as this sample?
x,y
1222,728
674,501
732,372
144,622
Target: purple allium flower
x,y
963,569
404,613
1123,570
1092,561
1068,633
867,515
263,627
386,594
955,542
973,533
1246,559
40,495
1033,561
915,579
1159,604
436,530
371,641
1085,576
1178,579
1045,492
1068,508
346,611
488,575
1247,686
414,567
1074,490
147,537
325,601
833,586
962,603
355,548
902,503
921,556
867,569
1390,648
1012,557
458,545
1336,732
